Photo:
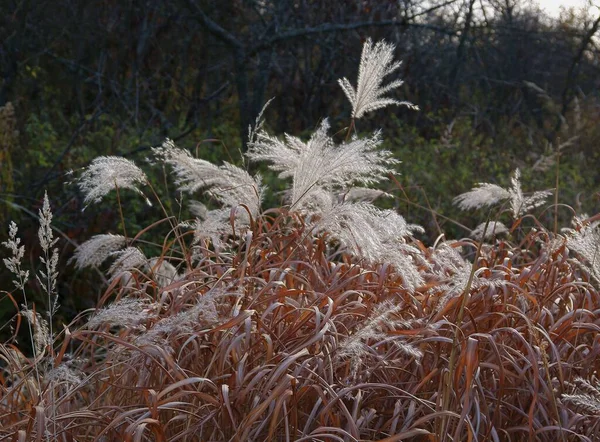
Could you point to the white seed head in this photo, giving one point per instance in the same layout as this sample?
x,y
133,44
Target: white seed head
x,y
376,62
126,312
494,228
320,164
41,331
127,259
105,174
486,194
228,184
13,264
97,249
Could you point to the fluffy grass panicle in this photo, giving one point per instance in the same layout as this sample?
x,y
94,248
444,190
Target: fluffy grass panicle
x,y
585,397
97,249
106,174
584,241
487,231
228,184
320,164
127,259
126,312
48,275
486,194
376,63
13,263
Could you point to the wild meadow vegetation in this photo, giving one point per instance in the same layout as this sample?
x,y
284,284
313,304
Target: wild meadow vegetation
x,y
326,318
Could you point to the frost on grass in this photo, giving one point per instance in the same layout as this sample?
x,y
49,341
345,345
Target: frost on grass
x,y
486,194
376,63
320,164
97,249
105,174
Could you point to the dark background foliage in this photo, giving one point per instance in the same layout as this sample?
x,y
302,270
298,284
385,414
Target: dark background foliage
x,y
499,84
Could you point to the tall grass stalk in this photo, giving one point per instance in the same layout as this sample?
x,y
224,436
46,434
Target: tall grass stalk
x,y
448,378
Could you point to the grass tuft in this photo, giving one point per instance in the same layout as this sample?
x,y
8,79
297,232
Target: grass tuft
x,y
323,319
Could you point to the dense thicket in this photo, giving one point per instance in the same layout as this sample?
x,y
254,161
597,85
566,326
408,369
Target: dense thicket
x,y
499,84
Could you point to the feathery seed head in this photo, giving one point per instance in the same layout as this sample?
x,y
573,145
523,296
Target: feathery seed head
x,y
41,331
228,184
126,312
356,345
203,313
494,228
45,234
127,259
376,62
213,227
106,173
521,204
97,249
486,194
164,272
320,164
356,194
586,397
585,242
191,173
373,234
48,277
64,373
13,264
198,209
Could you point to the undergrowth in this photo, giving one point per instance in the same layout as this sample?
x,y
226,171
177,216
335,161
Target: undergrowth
x,y
325,319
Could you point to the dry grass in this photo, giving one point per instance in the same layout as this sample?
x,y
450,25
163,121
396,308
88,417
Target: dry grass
x,y
322,320
286,338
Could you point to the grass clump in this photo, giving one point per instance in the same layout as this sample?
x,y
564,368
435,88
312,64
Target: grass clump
x,y
323,319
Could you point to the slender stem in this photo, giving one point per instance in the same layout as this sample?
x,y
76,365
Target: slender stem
x,y
33,318
350,129
120,209
556,193
437,214
174,226
433,214
49,276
